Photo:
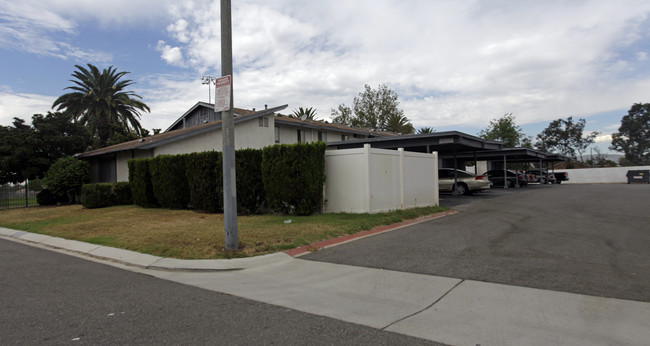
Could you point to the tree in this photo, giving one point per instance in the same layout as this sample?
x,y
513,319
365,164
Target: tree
x,y
426,129
66,176
567,137
26,152
374,109
308,113
633,136
504,130
100,100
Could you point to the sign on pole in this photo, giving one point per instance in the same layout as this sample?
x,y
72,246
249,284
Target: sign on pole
x,y
222,94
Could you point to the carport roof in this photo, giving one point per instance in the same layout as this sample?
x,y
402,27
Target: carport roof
x,y
442,142
511,154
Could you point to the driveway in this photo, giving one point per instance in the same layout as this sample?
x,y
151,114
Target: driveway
x,y
588,239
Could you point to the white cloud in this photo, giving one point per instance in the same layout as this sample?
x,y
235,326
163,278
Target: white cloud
x,y
22,105
172,55
603,139
450,62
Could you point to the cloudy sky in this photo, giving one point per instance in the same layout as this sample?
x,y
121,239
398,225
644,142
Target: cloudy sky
x,y
454,64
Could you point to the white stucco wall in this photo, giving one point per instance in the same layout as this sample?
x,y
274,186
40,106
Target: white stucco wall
x,y
607,175
374,180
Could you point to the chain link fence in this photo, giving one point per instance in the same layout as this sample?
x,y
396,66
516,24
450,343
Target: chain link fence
x,y
19,195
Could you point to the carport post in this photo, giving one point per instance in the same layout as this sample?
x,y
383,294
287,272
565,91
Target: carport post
x,y
455,192
475,164
505,173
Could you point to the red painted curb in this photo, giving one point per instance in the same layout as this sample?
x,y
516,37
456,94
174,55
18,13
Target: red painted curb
x,y
346,238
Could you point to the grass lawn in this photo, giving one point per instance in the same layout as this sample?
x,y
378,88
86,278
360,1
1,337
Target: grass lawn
x,y
191,235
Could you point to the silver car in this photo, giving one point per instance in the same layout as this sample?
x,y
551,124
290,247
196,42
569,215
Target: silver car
x,y
467,182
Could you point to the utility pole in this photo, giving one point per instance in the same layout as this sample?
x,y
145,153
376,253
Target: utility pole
x,y
228,136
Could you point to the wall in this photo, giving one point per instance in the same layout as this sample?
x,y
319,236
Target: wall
x,y
374,180
599,175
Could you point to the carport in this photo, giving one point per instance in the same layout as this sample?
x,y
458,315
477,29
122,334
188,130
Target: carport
x,y
504,156
449,145
454,148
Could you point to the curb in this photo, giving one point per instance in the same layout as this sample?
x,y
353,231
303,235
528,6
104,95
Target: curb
x,y
299,251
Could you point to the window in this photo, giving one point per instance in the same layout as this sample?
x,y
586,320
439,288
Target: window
x,y
263,122
345,137
299,136
322,136
277,134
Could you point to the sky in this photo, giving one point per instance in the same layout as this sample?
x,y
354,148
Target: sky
x,y
455,65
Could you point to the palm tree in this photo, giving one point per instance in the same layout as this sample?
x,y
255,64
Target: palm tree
x,y
425,129
308,113
100,102
399,123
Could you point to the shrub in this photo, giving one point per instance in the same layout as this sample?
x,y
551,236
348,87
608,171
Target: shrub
x,y
293,177
140,183
204,179
105,195
122,193
250,187
65,177
169,182
46,197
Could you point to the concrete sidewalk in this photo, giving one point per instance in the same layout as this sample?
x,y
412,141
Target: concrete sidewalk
x,y
447,310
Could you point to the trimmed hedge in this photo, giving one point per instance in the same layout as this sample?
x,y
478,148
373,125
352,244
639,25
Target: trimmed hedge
x,y
289,178
250,184
169,183
140,183
204,179
102,195
293,177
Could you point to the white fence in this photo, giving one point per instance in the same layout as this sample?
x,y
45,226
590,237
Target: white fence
x,y
607,175
371,180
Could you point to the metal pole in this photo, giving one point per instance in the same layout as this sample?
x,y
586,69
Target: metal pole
x,y
228,136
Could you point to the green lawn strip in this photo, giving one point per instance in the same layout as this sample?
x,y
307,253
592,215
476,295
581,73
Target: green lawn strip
x,y
190,235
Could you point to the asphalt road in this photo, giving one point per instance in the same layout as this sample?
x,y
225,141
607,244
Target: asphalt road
x,y
51,298
587,239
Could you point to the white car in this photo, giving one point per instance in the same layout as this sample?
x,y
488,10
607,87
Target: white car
x,y
467,182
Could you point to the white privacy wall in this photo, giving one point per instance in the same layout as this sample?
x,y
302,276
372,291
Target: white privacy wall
x,y
607,175
371,180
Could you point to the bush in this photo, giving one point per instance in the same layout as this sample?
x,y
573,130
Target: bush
x,y
65,177
140,183
122,193
47,197
105,195
293,177
250,186
169,182
204,179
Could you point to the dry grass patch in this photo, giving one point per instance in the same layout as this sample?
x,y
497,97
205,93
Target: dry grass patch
x,y
188,234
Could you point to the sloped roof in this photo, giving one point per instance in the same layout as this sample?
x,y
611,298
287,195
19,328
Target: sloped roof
x,y
322,125
237,111
176,135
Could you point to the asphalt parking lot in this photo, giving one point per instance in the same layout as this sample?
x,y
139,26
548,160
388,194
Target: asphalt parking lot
x,y
589,239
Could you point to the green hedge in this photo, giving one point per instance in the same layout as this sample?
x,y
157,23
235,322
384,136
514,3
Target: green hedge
x,y
289,178
204,178
250,184
102,195
169,182
293,177
140,183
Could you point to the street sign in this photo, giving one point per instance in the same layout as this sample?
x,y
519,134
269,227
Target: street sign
x,y
222,92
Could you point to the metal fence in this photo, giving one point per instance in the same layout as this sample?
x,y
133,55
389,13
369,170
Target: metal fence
x,y
19,195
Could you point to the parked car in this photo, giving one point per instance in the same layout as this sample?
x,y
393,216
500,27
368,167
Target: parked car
x,y
497,179
467,182
542,176
561,176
